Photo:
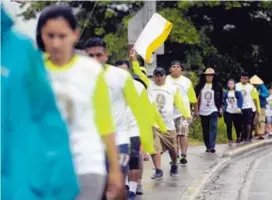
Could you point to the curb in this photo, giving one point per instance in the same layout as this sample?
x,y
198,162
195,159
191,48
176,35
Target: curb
x,y
194,190
234,153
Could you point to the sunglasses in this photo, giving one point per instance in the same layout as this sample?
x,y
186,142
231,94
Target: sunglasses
x,y
98,55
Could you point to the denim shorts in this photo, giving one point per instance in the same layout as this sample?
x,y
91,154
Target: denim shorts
x,y
269,119
123,158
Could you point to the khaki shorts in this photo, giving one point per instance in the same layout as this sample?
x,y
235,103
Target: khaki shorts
x,y
164,141
262,116
182,129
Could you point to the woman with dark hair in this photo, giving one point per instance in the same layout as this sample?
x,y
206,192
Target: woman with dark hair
x,y
233,103
36,162
83,98
210,96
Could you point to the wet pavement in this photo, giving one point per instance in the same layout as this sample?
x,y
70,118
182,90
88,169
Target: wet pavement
x,y
248,178
261,184
173,187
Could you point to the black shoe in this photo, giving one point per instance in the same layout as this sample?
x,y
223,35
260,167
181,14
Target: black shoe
x,y
183,159
238,140
208,150
174,170
260,138
212,150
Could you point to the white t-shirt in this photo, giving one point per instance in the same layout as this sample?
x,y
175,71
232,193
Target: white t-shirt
x,y
116,79
133,128
164,98
183,84
74,88
207,104
246,91
269,106
231,100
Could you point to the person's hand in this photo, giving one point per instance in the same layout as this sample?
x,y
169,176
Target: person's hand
x,y
239,110
196,115
132,54
115,184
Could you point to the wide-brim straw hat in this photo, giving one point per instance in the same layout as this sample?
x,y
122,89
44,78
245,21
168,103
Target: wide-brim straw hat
x,y
209,71
255,80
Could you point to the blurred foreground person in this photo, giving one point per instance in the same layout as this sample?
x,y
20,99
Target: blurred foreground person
x,y
35,159
83,98
123,94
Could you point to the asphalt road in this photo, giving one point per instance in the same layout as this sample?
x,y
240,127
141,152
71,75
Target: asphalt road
x,y
248,178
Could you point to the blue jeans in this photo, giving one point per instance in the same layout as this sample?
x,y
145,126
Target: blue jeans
x,y
209,129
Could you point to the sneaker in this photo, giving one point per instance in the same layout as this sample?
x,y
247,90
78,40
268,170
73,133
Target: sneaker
x,y
208,150
212,150
238,140
183,160
158,174
174,170
131,196
230,143
139,190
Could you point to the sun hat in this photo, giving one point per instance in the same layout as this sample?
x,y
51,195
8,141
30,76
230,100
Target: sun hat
x,y
209,71
255,80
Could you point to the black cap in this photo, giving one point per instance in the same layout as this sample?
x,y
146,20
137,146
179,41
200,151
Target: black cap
x,y
159,70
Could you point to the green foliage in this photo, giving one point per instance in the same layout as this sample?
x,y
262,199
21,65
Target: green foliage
x,y
183,30
198,29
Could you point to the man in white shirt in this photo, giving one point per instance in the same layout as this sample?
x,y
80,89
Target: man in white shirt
x,y
122,94
250,103
166,96
187,92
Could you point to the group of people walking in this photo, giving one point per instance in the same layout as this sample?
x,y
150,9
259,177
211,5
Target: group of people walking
x,y
82,125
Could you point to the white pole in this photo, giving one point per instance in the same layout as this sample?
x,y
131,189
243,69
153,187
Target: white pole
x,y
150,10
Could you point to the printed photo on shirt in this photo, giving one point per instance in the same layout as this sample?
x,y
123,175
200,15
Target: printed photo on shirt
x,y
160,102
244,93
208,98
231,101
67,106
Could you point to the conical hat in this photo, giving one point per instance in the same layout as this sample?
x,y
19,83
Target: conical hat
x,y
255,80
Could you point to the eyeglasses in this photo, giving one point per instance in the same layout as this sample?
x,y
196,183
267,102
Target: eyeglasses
x,y
98,55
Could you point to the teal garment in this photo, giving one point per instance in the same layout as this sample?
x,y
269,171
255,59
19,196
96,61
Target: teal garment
x,y
36,163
